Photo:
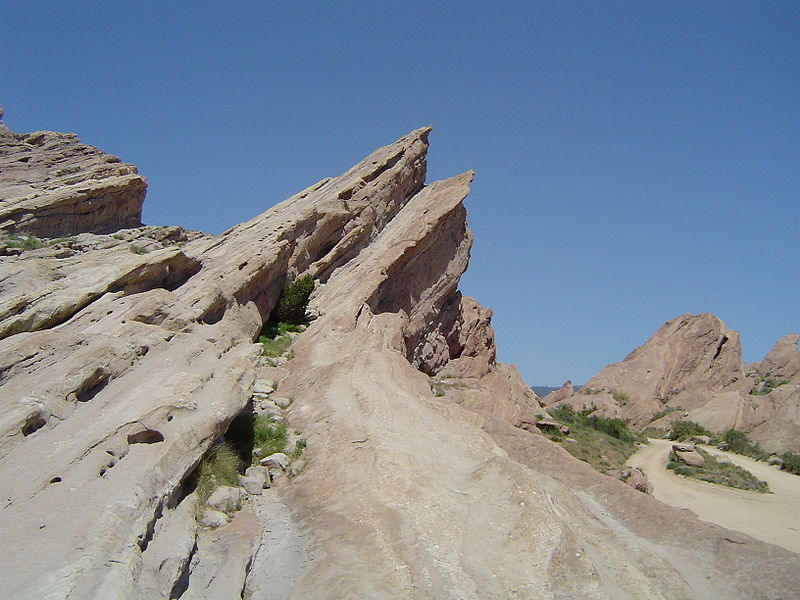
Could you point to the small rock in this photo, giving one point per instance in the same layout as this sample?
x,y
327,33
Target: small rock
x,y
226,499
282,402
252,485
775,460
277,461
281,361
275,418
263,387
260,473
296,467
683,447
699,439
213,518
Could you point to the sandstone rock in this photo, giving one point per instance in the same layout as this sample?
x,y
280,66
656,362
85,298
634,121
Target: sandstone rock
x,y
225,499
699,439
162,341
691,458
565,391
263,387
275,461
282,402
54,185
252,485
296,468
634,478
683,447
213,518
775,460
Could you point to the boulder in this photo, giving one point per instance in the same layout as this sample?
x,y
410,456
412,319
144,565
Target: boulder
x,y
699,439
282,402
213,518
775,460
275,461
225,499
691,458
260,473
252,485
263,387
634,478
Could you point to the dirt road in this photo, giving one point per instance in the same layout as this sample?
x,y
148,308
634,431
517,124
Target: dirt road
x,y
773,518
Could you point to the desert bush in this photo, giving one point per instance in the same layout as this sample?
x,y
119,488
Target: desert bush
x,y
219,467
684,429
791,462
664,412
719,472
270,437
138,249
621,397
294,300
740,443
764,385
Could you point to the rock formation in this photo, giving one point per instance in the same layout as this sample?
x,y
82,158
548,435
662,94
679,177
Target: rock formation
x,y
417,482
691,369
53,185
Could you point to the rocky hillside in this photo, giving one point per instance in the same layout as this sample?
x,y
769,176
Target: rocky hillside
x,y
126,358
691,368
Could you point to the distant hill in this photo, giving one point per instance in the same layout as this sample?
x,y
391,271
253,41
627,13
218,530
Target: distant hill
x,y
543,390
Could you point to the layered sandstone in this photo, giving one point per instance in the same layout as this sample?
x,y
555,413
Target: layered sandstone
x,y
54,185
417,483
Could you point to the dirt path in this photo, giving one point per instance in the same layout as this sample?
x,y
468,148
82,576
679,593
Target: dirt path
x,y
773,518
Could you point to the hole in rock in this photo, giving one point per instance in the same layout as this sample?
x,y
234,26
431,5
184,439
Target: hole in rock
x,y
33,423
148,436
55,480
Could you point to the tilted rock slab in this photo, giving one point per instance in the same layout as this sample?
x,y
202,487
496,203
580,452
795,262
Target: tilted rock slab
x,y
51,185
404,494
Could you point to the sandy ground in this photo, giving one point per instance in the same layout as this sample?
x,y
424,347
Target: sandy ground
x,y
773,518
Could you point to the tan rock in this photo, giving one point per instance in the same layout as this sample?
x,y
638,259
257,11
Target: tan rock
x,y
54,185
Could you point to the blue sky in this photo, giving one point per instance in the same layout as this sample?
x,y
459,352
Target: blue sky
x,y
634,160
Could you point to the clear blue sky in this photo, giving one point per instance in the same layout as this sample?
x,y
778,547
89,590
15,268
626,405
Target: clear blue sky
x,y
635,160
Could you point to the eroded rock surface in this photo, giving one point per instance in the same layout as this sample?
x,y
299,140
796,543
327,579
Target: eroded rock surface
x,y
52,184
417,483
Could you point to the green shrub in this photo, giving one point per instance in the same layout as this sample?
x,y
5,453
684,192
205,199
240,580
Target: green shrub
x,y
294,300
270,437
766,384
739,443
791,462
219,467
719,472
275,346
138,249
684,429
664,412
621,397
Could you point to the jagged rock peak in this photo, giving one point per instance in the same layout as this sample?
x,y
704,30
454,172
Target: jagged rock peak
x,y
565,391
783,360
54,185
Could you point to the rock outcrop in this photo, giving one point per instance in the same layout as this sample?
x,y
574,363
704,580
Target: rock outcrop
x,y
54,185
691,369
417,483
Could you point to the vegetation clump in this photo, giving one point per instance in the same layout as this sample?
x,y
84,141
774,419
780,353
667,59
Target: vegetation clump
x,y
764,385
791,462
740,443
604,443
621,397
294,300
686,429
664,412
219,467
719,472
30,242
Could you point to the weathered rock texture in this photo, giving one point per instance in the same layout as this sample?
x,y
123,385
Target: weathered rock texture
x,y
692,366
417,483
51,184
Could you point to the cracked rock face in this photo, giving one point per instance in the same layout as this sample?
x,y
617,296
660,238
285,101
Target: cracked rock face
x,y
120,369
